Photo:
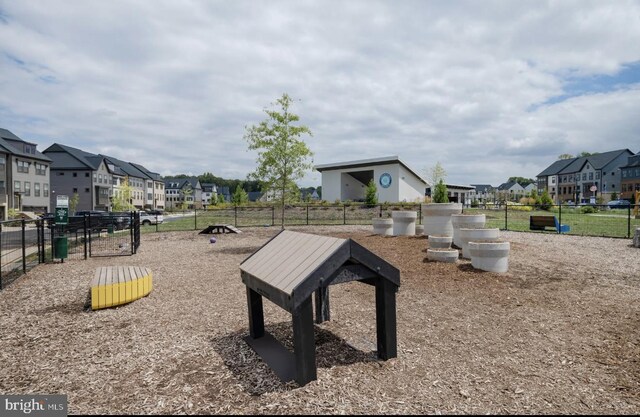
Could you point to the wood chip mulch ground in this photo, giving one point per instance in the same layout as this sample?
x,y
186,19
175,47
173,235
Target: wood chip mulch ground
x,y
558,333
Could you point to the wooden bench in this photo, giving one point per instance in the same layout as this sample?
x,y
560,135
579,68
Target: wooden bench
x,y
116,285
542,222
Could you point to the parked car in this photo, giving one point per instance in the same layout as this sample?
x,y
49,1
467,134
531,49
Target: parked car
x,y
146,218
619,204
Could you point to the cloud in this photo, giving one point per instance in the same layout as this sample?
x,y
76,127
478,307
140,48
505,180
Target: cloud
x,y
172,86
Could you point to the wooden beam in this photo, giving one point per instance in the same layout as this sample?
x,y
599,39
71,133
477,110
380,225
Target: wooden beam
x,y
386,319
304,343
256,314
322,305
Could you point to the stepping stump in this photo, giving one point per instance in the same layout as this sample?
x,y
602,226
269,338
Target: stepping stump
x,y
476,235
443,255
382,226
490,256
117,285
465,221
404,223
440,242
436,218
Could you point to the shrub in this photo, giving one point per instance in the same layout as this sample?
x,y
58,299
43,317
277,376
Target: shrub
x,y
371,194
545,201
440,193
588,210
614,195
474,203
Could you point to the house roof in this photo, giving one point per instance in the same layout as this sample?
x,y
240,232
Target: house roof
x,y
482,188
68,157
556,167
633,161
6,139
126,167
508,185
208,187
367,162
153,175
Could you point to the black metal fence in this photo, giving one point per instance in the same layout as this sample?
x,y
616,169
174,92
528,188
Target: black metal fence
x,y
599,220
27,243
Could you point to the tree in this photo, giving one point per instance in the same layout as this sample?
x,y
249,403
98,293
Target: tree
x,y
240,196
185,193
440,193
522,181
371,194
221,199
566,156
614,196
545,201
319,191
435,174
585,153
282,154
122,199
73,202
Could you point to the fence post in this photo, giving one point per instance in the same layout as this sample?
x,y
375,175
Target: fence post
x,y
38,238
0,256
344,214
273,215
506,215
24,249
307,214
559,216
195,218
90,234
419,213
629,221
157,222
85,237
380,211
235,215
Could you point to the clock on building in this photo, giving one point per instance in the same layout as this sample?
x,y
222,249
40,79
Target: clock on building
x,y
385,180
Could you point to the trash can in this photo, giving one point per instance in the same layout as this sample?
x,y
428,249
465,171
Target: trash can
x,y
60,247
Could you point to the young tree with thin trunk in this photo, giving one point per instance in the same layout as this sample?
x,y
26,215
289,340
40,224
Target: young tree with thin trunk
x,y
282,154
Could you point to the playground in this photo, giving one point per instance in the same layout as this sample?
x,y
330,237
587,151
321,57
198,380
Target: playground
x,y
558,333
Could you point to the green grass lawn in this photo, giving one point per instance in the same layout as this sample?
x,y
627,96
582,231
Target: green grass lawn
x,y
613,223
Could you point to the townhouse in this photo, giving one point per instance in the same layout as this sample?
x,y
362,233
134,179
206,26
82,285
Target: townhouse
x,y
183,193
510,191
482,193
209,192
582,179
630,182
24,176
98,178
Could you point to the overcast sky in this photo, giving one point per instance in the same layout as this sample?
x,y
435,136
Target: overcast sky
x,y
488,89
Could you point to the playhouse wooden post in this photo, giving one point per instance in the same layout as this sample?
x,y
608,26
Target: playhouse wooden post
x,y
256,314
386,319
304,343
322,305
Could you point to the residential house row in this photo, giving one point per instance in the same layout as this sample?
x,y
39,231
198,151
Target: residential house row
x,y
507,191
97,179
582,179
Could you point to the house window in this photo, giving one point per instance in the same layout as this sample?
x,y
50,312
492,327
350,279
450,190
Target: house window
x,y
45,190
86,175
624,173
75,190
95,179
100,178
598,175
36,189
2,160
41,169
27,188
23,166
16,186
590,176
86,190
584,176
2,189
75,174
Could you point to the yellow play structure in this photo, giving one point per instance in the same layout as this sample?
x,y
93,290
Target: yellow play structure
x,y
116,285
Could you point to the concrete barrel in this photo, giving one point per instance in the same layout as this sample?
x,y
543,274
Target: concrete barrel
x,y
440,242
490,256
404,223
419,229
443,255
466,221
476,235
436,218
382,226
